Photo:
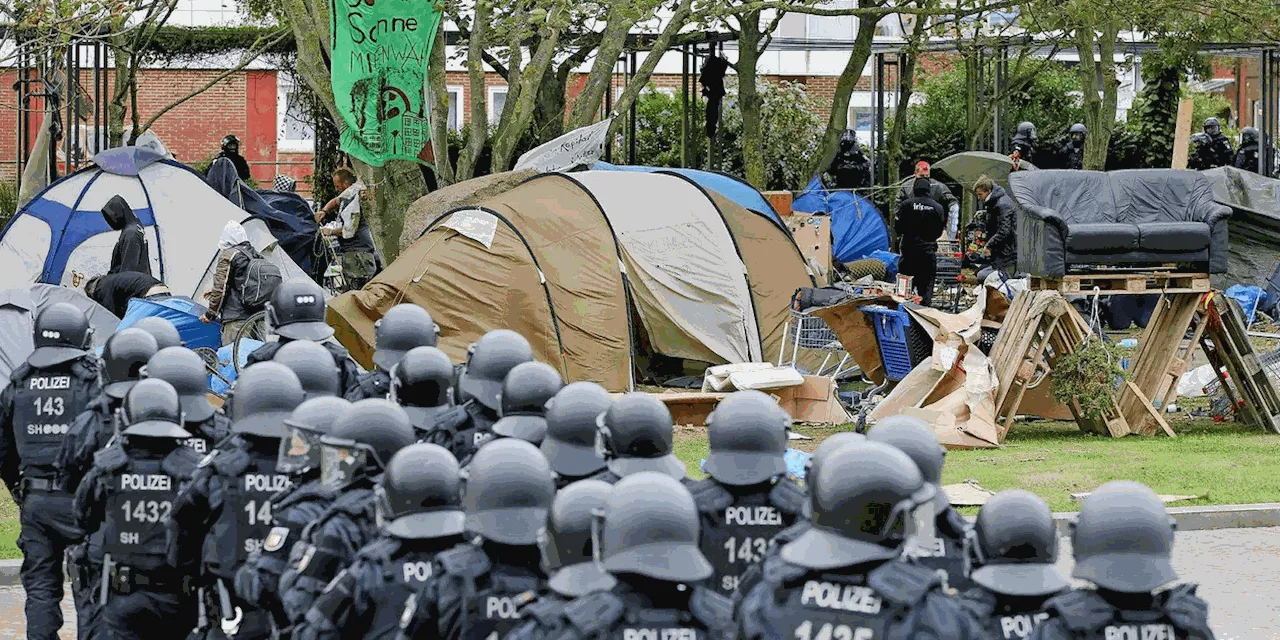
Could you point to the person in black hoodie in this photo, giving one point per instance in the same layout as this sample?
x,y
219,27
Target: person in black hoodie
x,y
1001,225
130,252
230,149
115,290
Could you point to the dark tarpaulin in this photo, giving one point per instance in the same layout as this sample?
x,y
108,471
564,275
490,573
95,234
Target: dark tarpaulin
x,y
288,218
1255,223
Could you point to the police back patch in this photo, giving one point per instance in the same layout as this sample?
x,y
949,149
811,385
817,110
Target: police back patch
x,y
275,539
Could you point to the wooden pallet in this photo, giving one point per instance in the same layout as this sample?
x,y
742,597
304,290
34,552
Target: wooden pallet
x,y
1124,282
1161,358
1226,343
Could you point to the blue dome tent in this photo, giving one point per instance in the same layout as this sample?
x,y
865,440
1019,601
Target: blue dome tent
x,y
857,228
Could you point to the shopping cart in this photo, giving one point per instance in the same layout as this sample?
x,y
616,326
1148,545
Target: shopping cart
x,y
804,331
947,288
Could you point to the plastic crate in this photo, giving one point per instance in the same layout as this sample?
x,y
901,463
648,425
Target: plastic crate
x,y
891,334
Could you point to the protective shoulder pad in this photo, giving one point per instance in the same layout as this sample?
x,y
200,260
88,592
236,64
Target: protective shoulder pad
x,y
19,373
465,560
980,601
710,496
594,613
901,583
181,463
355,502
711,608
1081,609
788,496
231,462
379,551
1187,611
546,610
111,458
780,572
87,368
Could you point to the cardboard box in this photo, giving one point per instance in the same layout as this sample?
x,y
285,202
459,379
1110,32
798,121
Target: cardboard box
x,y
780,201
812,401
812,232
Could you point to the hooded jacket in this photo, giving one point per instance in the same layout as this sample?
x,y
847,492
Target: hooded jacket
x,y
232,268
130,252
1002,230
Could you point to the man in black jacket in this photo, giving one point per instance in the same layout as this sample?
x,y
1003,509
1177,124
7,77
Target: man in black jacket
x,y
115,290
919,223
130,252
1001,225
1247,155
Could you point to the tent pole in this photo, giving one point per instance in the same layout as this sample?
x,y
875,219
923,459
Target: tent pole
x,y
69,96
684,106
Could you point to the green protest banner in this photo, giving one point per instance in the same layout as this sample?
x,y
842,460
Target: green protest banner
x,y
380,53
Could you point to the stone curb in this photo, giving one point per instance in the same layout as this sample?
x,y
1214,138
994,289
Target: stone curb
x,y
9,570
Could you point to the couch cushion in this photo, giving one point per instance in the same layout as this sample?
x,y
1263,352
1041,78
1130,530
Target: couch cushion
x,y
1173,236
1102,237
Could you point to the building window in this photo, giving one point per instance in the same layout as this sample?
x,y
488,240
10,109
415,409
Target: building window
x,y
864,118
455,103
497,102
833,27
294,129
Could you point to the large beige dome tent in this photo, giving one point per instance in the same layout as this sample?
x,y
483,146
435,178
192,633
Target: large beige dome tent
x,y
595,269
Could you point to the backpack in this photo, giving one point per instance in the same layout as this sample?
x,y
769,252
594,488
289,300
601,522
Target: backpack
x,y
260,281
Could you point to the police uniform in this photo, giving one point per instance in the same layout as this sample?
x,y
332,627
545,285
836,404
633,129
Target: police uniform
x,y
1175,614
754,573
370,384
206,435
626,612
84,438
1219,150
944,554
478,593
349,372
1004,616
326,546
737,526
471,430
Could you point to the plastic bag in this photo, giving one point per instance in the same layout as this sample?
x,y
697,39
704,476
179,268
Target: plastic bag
x,y
1193,382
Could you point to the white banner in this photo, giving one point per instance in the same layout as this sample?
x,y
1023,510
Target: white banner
x,y
580,146
477,224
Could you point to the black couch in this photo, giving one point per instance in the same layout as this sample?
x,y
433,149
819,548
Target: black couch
x,y
1140,217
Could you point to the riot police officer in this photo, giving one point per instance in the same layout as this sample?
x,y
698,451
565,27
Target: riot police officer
x,y
1200,158
226,512
525,393
1123,544
43,396
1247,155
185,371
635,434
941,549
294,508
480,388
420,511
843,577
404,327
296,311
649,542
1014,547
570,441
129,495
422,384
1219,148
353,455
1072,151
483,584
162,330
313,365
1024,142
747,498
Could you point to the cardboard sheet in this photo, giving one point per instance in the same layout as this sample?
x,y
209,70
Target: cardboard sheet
x,y
813,401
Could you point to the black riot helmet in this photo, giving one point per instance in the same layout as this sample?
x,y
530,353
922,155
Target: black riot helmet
x,y
747,432
230,144
124,355
1027,130
915,438
264,396
525,393
62,333
651,528
152,409
162,330
1199,139
570,443
404,327
813,466
488,361
419,496
1249,135
1014,545
1212,126
635,434
362,441
507,490
420,384
182,368
1077,132
1123,539
296,310
857,515
568,541
300,452
313,364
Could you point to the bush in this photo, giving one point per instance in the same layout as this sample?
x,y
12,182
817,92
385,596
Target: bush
x,y
792,125
8,201
658,131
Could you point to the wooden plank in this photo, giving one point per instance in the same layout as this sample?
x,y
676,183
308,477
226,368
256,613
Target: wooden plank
x,y
1157,349
1151,411
1123,282
1182,134
1254,394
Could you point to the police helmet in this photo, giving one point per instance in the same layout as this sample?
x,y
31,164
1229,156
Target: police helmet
x,y
1249,135
296,310
570,443
1212,126
419,496
62,333
813,465
362,441
404,327
525,393
300,451
313,364
747,432
420,384
124,355
1015,546
1027,130
1123,539
651,528
635,434
230,143
856,515
152,409
162,330
507,490
488,361
264,396
182,368
915,438
567,541
1199,138
1077,131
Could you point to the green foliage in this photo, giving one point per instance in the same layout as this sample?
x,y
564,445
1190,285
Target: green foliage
x,y
658,131
792,125
1089,375
1210,105
8,201
187,42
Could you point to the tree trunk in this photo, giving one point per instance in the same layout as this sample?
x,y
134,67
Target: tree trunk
x,y
749,102
119,91
1099,110
478,123
396,185
515,123
548,114
906,85
439,96
838,121
611,46
309,20
645,70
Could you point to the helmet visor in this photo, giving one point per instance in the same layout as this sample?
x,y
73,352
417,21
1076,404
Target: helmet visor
x,y
299,453
341,462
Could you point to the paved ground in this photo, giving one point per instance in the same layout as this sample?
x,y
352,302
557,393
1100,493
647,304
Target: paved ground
x,y
1238,571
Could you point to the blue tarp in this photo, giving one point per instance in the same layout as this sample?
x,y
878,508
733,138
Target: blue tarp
x,y
226,369
1251,298
295,232
736,190
857,229
183,313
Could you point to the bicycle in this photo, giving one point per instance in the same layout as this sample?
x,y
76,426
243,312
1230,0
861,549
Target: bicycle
x,y
255,327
